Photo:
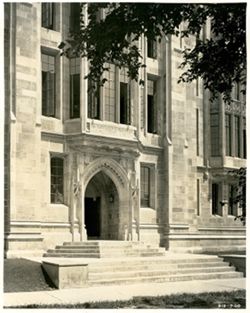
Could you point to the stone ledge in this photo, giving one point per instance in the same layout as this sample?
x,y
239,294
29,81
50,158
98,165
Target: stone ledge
x,y
67,273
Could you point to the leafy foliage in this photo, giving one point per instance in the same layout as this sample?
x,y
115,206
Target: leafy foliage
x,y
240,196
219,61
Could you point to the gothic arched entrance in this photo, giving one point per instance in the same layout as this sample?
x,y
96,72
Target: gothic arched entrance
x,y
101,208
106,206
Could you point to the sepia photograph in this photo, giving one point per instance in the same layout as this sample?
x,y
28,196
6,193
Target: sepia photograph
x,y
125,155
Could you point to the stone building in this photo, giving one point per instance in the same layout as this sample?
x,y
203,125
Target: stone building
x,y
128,162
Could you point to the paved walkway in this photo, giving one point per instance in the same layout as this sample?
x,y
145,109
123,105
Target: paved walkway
x,y
121,292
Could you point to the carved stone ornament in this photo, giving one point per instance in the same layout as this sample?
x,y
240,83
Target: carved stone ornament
x,y
110,166
234,108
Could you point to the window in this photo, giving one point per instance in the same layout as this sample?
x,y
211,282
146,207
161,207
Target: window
x,y
93,100
232,205
197,133
235,94
56,183
237,136
152,107
244,138
124,104
48,85
75,88
75,11
48,15
152,48
109,95
124,98
145,186
214,129
228,134
198,196
215,199
197,87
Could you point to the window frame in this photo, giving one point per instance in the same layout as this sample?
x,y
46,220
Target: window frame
x,y
215,198
74,17
94,97
48,102
55,176
48,21
228,134
145,202
237,139
75,97
214,130
232,207
152,48
152,106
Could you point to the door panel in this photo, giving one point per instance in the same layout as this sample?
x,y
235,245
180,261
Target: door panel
x,y
92,217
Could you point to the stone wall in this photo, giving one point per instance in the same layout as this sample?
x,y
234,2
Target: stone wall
x,y
179,215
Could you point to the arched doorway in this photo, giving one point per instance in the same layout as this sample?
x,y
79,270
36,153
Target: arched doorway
x,y
101,208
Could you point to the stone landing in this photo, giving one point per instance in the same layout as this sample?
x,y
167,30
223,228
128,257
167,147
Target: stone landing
x,y
112,263
104,249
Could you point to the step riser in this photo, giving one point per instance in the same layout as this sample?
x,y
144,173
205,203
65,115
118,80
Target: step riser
x,y
162,261
106,250
140,267
73,251
64,255
98,276
85,254
168,279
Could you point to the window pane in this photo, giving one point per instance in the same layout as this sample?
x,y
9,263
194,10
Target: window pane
x,y
237,135
48,11
152,49
228,134
93,100
109,95
75,10
244,138
214,133
124,104
197,132
145,186
48,85
75,96
215,197
56,180
152,107
232,204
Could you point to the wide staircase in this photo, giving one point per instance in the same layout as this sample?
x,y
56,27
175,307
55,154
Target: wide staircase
x,y
116,262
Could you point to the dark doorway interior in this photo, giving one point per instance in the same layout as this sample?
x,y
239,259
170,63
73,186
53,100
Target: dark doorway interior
x,y
92,217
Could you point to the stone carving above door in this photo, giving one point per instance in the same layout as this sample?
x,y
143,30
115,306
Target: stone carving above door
x,y
108,165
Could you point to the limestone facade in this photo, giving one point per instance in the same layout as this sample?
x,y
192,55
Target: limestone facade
x,y
134,164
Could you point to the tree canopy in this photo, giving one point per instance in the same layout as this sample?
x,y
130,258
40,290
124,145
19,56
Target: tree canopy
x,y
113,38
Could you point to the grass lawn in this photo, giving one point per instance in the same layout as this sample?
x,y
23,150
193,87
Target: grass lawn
x,y
24,275
229,300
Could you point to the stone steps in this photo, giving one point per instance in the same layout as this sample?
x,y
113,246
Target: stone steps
x,y
71,255
107,263
169,278
159,269
151,266
155,272
104,249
